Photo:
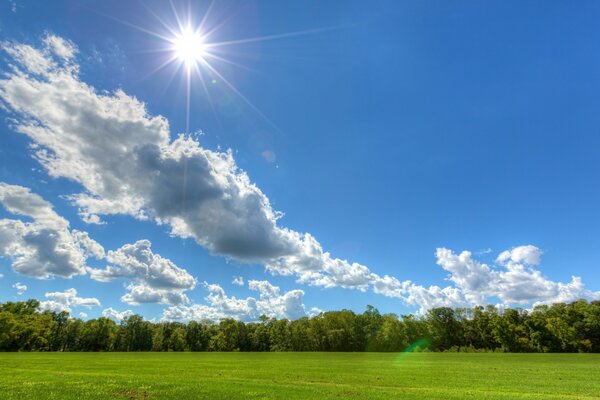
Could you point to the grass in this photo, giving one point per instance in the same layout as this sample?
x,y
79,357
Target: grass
x,y
298,376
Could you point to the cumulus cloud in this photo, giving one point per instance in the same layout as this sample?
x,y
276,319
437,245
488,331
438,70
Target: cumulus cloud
x,y
126,163
271,302
513,281
116,315
64,301
274,304
157,279
45,246
21,288
140,294
527,255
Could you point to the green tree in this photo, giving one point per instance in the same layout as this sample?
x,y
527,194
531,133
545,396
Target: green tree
x,y
197,336
444,328
391,336
136,334
177,339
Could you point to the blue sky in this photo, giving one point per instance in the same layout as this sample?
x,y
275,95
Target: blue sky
x,y
393,136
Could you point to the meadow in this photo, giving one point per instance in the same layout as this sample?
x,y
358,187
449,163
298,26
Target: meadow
x,y
298,376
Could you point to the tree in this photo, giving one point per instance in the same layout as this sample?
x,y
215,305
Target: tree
x,y
72,337
391,336
98,334
258,334
510,331
137,334
279,337
300,339
445,330
197,336
177,339
371,321
560,327
417,331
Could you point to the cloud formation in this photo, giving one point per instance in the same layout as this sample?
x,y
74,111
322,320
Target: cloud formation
x,y
127,163
157,279
46,246
64,301
115,315
271,302
513,281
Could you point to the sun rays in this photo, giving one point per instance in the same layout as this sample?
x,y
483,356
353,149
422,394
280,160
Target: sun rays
x,y
187,51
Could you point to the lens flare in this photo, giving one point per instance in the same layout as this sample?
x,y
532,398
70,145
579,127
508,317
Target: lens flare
x,y
417,346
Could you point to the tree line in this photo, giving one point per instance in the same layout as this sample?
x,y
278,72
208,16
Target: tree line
x,y
573,327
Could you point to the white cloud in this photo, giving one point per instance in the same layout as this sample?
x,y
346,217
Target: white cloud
x,y
528,255
517,283
140,294
270,302
314,311
63,301
127,164
60,47
274,304
21,288
471,276
44,247
137,261
83,315
315,267
116,315
194,312
157,279
238,281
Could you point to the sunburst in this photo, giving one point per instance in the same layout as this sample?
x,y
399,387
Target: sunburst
x,y
189,50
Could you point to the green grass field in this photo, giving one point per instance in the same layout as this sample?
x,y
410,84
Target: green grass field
x,y
298,376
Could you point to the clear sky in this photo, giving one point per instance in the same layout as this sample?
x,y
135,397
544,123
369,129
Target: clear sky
x,y
188,160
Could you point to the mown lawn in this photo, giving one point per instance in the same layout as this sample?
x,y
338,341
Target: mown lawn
x,y
298,376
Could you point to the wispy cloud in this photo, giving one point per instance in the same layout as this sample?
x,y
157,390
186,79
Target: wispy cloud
x,y
21,288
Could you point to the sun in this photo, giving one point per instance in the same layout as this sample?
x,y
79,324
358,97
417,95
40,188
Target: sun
x,y
189,47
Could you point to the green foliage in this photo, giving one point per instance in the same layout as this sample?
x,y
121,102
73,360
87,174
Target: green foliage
x,y
573,327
